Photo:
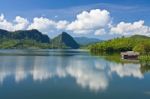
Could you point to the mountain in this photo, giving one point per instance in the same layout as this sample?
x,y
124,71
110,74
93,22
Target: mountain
x,y
136,42
34,39
23,39
64,40
86,40
26,34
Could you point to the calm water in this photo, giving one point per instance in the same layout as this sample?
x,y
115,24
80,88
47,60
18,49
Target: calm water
x,y
69,74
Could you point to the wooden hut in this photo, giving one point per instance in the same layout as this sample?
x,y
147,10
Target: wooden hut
x,y
129,55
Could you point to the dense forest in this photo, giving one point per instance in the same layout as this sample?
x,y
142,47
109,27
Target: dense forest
x,y
136,43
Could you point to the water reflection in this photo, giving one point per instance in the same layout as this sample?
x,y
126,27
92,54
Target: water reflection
x,y
88,71
127,69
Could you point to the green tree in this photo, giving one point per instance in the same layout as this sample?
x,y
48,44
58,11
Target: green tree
x,y
143,48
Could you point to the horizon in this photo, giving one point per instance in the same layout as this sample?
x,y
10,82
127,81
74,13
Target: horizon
x,y
80,18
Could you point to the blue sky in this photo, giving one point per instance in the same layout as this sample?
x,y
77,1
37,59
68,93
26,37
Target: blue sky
x,y
128,11
24,7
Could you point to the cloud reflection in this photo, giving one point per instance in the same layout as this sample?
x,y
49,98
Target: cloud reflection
x,y
92,73
124,70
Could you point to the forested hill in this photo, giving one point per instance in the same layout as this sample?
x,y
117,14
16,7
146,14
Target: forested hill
x,y
22,35
23,39
64,40
35,39
137,43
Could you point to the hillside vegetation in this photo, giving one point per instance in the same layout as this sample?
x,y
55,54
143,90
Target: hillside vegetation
x,y
136,43
34,39
23,39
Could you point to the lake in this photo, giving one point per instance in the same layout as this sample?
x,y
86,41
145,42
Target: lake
x,y
70,74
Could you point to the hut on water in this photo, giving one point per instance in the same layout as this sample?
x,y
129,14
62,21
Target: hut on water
x,y
129,55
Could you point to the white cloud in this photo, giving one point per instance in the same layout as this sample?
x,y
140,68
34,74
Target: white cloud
x,y
4,24
100,32
131,28
87,22
42,24
18,24
62,24
46,25
95,21
21,23
2,17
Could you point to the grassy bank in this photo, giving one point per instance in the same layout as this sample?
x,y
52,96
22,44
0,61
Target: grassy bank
x,y
144,58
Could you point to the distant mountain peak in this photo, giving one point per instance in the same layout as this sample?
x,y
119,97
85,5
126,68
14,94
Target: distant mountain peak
x,y
64,33
64,40
86,40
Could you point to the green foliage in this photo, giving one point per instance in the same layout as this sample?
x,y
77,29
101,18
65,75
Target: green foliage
x,y
21,44
145,67
144,58
122,44
8,44
143,48
23,39
23,35
34,39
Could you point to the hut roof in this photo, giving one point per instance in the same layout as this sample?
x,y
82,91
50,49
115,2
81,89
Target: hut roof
x,y
130,53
